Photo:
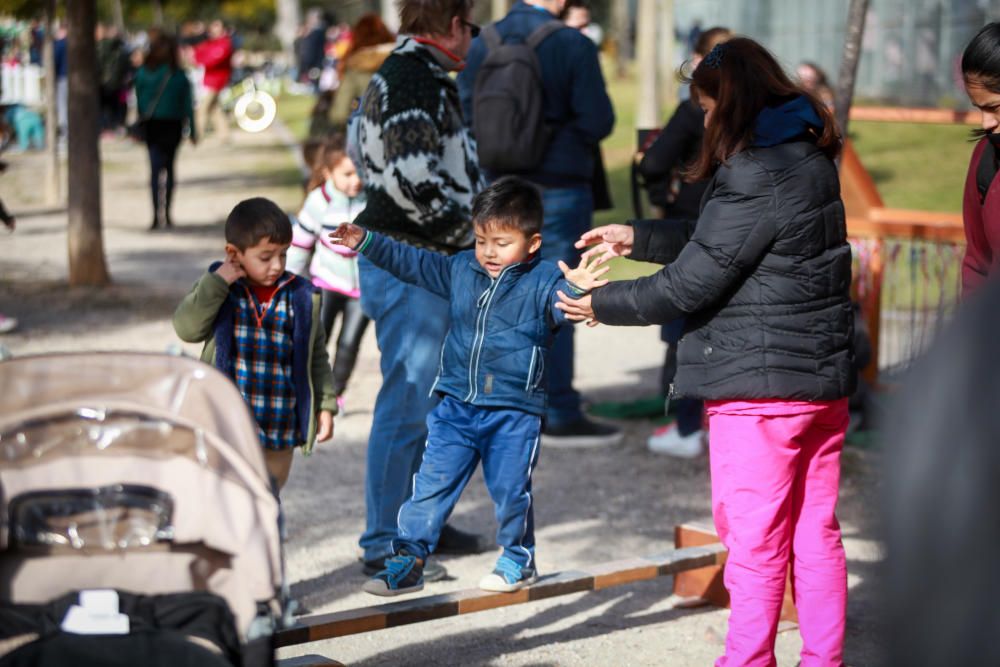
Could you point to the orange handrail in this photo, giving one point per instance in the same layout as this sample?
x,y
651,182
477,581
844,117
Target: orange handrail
x,y
915,115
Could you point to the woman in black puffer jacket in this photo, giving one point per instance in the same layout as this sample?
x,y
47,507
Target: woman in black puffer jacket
x,y
763,283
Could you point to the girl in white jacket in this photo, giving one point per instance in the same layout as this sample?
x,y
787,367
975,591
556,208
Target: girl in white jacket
x,y
334,196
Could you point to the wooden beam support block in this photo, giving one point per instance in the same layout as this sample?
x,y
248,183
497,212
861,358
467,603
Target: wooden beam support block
x,y
706,582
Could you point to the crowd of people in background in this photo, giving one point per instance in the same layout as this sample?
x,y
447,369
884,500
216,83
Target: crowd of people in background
x,y
428,214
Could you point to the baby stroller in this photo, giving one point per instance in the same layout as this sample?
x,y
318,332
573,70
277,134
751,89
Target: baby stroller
x,y
137,522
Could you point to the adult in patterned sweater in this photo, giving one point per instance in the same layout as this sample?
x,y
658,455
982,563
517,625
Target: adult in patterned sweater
x,y
422,173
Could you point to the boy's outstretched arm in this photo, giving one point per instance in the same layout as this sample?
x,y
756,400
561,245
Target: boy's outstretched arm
x,y
423,268
577,287
196,314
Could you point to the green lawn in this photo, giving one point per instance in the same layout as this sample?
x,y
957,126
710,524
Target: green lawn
x,y
915,166
919,166
293,110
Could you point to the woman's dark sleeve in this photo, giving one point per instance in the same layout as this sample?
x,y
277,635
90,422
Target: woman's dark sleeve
x,y
659,241
735,230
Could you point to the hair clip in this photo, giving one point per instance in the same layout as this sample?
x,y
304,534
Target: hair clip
x,y
714,57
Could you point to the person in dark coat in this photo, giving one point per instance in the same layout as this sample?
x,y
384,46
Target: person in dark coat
x,y
941,526
764,286
677,145
662,167
164,99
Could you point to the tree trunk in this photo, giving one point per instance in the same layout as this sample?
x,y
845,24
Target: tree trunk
x,y
118,15
622,26
158,13
86,247
289,17
665,53
648,112
849,65
498,9
390,16
53,180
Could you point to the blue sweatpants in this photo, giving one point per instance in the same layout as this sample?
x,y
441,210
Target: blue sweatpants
x,y
459,436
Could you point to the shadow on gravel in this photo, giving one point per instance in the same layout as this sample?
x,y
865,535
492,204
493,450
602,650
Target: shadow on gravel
x,y
27,214
642,383
181,228
50,307
865,625
622,608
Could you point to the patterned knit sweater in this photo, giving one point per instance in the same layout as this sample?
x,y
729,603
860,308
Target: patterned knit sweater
x,y
421,163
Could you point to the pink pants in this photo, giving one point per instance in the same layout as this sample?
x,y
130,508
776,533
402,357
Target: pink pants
x,y
775,475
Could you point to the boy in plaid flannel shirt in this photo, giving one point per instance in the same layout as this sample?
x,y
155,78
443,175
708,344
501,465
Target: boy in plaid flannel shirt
x,y
261,327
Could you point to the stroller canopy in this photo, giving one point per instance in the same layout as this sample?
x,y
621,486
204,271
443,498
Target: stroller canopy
x,y
139,472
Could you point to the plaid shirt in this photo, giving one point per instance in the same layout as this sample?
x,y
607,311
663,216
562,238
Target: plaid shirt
x,y
263,360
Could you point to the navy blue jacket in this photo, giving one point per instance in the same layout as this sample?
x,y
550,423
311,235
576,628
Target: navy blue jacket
x,y
576,105
494,352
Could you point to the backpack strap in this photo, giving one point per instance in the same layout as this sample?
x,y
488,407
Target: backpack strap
x,y
491,36
543,31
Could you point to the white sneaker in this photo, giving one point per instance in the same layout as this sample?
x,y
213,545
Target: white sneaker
x,y
668,440
7,324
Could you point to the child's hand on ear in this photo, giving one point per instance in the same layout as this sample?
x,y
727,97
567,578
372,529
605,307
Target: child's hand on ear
x,y
230,271
587,276
348,235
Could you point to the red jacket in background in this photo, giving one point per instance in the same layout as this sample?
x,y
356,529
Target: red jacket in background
x,y
215,56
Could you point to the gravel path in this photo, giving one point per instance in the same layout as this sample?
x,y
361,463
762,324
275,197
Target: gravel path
x,y
592,505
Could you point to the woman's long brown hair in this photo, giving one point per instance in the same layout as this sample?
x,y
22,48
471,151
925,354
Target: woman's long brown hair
x,y
162,51
370,30
743,78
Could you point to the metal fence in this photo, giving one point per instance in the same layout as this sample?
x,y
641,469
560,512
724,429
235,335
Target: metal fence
x,y
908,288
910,52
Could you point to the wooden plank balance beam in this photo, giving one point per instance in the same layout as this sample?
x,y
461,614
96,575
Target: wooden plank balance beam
x,y
416,610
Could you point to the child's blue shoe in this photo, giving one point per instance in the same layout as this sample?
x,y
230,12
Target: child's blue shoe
x,y
508,577
403,573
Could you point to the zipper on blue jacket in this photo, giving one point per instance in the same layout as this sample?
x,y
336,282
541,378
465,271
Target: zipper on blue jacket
x,y
477,341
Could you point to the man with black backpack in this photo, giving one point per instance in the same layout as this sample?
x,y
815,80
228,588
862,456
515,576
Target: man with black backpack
x,y
533,93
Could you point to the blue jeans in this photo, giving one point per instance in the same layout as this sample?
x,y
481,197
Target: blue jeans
x,y
459,436
568,213
410,326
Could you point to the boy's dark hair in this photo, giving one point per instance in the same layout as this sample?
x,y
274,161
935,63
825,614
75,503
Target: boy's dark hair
x,y
253,220
509,203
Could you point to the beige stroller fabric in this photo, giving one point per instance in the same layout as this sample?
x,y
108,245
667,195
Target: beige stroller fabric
x,y
120,421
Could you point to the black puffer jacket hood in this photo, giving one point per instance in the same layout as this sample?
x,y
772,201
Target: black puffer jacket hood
x,y
763,281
